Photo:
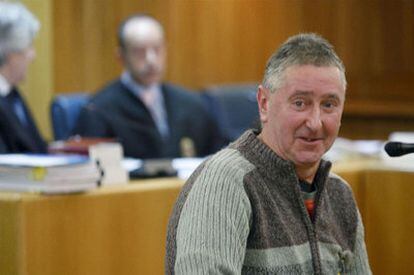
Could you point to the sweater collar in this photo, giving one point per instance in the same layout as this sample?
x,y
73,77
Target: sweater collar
x,y
265,158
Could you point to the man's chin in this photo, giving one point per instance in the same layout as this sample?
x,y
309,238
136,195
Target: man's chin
x,y
149,80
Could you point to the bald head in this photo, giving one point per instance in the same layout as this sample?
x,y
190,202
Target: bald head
x,y
142,49
139,28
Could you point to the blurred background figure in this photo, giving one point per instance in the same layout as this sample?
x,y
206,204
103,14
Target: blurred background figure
x,y
149,118
18,28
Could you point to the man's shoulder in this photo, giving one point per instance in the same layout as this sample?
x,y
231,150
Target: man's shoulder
x,y
228,162
173,88
338,185
177,93
110,93
338,180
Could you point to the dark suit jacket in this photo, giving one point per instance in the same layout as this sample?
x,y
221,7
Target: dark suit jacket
x,y
116,112
15,137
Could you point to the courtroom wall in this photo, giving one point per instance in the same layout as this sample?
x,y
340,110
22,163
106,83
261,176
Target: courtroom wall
x,y
213,42
38,87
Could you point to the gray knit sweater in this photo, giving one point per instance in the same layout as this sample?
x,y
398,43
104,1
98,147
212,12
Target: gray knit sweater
x,y
242,212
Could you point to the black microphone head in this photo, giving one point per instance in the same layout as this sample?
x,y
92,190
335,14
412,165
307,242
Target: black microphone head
x,y
394,149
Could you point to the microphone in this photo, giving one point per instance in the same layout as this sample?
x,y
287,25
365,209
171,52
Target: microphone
x,y
396,149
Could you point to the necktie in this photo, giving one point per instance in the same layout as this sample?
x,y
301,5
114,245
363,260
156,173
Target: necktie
x,y
149,97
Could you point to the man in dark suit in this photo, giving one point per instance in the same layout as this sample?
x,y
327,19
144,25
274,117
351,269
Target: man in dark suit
x,y
18,131
149,118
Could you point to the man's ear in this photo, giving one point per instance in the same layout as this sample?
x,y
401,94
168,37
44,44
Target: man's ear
x,y
263,102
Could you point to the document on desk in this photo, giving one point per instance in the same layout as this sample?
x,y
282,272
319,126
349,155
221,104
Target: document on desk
x,y
186,166
39,160
51,174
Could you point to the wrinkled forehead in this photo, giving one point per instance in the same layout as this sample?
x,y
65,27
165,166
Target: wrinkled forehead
x,y
311,74
143,31
312,81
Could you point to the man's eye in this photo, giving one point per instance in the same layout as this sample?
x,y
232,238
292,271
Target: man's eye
x,y
329,104
299,103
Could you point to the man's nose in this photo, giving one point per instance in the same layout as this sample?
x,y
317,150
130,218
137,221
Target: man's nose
x,y
314,121
151,56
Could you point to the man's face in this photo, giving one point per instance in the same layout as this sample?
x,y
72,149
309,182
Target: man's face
x,y
302,118
17,64
144,53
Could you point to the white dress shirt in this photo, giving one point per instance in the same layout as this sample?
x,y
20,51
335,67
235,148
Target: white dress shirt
x,y
5,87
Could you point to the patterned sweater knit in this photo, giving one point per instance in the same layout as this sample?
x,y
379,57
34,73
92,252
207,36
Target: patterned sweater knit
x,y
242,212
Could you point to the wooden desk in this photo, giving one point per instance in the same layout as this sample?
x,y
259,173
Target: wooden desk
x,y
122,229
385,198
113,230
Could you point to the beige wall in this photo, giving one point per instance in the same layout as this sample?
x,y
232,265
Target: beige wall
x,y
38,87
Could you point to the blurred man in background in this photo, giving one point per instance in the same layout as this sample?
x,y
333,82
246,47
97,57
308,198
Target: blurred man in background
x,y
18,131
149,118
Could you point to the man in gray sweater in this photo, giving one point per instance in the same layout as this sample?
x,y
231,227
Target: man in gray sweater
x,y
268,203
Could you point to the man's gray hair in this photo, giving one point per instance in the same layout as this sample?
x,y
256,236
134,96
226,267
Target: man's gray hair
x,y
18,27
301,49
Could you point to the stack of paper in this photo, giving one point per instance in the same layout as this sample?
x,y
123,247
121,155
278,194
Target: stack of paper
x,y
50,174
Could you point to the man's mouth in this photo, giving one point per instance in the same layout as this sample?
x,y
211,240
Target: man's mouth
x,y
310,140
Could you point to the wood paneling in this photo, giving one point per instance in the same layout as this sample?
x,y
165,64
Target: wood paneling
x,y
118,229
387,225
363,127
85,44
383,198
221,42
213,42
39,85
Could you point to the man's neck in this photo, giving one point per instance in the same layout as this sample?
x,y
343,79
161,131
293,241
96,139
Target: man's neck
x,y
136,86
307,173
